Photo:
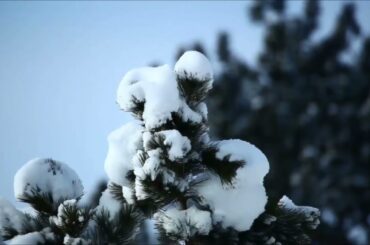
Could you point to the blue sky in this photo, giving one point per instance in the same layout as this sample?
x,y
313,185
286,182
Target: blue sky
x,y
61,62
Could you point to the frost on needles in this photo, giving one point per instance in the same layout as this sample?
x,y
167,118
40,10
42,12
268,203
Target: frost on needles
x,y
163,167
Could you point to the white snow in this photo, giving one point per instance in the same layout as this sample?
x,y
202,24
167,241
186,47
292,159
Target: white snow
x,y
195,64
128,194
188,115
10,216
256,163
29,238
179,145
59,220
185,223
238,205
68,240
203,110
200,219
147,136
37,237
123,144
108,203
152,164
47,175
138,168
157,87
139,190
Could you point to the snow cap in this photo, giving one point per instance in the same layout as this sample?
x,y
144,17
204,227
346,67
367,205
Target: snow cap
x,y
195,64
156,87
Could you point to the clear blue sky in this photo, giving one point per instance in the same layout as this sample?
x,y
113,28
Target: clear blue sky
x,y
61,62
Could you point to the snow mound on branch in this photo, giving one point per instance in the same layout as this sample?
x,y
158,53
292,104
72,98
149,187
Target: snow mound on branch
x,y
157,87
47,176
68,240
29,238
37,237
10,216
123,144
238,205
311,213
179,145
152,164
195,64
185,223
62,216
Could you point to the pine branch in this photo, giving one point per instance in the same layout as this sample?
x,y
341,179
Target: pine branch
x,y
284,225
120,229
192,130
41,201
116,191
72,220
159,195
138,109
192,89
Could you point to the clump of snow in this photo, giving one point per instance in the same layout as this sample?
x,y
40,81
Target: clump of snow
x,y
179,145
185,223
358,235
188,115
68,240
311,214
157,87
29,238
56,178
203,110
199,219
108,203
139,190
61,211
137,165
256,163
62,218
151,167
37,237
128,194
152,164
195,64
10,216
232,205
123,144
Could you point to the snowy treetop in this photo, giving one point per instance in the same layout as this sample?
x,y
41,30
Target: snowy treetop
x,y
170,104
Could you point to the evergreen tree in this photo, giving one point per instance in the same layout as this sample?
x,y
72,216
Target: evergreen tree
x,y
161,167
306,103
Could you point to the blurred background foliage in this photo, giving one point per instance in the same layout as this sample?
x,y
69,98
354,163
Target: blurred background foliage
x,y
306,104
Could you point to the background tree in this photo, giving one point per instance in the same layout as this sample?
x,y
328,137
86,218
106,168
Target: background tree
x,y
307,105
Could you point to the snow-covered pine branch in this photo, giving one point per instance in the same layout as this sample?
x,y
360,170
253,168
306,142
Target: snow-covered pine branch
x,y
196,189
54,190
